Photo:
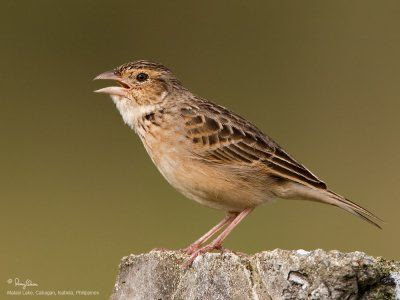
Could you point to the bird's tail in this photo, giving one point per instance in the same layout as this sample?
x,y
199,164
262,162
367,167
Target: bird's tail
x,y
329,197
353,208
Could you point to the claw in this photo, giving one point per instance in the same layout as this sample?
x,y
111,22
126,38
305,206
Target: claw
x,y
199,252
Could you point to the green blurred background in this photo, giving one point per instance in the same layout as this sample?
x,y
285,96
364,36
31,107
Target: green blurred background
x,y
78,190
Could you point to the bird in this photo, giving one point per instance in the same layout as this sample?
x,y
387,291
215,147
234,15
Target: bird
x,y
210,154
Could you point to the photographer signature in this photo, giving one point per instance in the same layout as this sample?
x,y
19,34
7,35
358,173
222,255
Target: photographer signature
x,y
23,284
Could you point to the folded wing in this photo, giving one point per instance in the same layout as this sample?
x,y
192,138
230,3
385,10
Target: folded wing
x,y
227,138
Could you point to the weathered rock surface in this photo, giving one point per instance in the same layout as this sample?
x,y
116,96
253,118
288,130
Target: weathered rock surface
x,y
277,274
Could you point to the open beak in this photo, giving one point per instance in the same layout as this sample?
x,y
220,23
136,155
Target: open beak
x,y
121,90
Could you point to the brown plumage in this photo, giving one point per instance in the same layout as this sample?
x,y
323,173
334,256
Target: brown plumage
x,y
210,154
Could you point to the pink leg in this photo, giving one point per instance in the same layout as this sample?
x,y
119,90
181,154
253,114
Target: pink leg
x,y
216,244
195,246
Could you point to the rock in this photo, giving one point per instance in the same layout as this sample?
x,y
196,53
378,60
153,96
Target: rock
x,y
277,274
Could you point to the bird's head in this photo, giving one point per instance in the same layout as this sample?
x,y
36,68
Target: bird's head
x,y
143,86
140,82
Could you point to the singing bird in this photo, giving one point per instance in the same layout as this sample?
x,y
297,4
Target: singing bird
x,y
210,154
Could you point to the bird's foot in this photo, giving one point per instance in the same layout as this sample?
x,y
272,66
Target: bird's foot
x,y
194,247
201,251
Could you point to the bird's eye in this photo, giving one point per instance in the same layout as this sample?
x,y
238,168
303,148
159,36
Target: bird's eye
x,y
142,77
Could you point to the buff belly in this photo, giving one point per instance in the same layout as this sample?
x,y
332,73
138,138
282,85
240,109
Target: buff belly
x,y
208,185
